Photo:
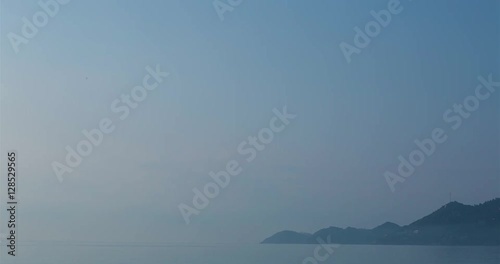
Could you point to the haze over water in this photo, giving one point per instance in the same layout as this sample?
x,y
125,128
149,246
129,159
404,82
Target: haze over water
x,y
252,254
306,104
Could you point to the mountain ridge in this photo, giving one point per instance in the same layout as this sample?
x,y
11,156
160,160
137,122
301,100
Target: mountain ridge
x,y
452,224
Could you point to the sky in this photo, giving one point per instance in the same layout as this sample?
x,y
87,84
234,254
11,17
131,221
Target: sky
x,y
326,168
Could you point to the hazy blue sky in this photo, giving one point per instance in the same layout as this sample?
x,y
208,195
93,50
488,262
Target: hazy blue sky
x,y
326,168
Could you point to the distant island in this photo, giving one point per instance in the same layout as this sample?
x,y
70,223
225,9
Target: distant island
x,y
454,224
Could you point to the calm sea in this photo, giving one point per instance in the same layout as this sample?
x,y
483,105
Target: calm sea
x,y
250,254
